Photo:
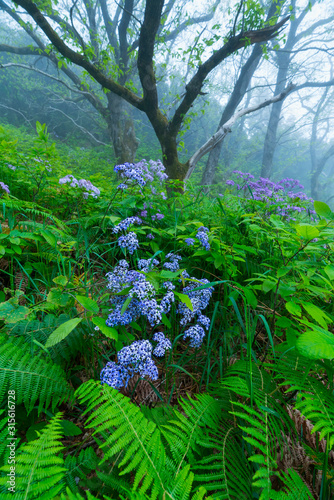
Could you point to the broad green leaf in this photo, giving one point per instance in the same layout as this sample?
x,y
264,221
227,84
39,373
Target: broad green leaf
x,y
294,308
60,280
62,332
166,321
329,270
108,331
322,209
317,314
185,299
282,271
268,285
316,345
70,429
11,314
49,237
88,303
307,231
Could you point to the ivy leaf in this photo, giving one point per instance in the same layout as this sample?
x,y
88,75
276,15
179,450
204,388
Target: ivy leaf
x,y
62,332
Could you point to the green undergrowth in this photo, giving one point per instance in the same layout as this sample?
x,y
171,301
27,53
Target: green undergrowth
x,y
248,413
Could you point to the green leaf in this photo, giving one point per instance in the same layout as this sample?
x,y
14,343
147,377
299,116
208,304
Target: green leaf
x,y
62,332
126,305
329,270
322,209
282,271
60,280
88,303
70,429
108,331
49,237
316,345
268,285
317,314
307,231
166,321
12,314
185,299
294,309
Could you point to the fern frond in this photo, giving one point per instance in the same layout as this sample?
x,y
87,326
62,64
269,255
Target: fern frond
x,y
297,489
135,441
78,467
69,495
39,470
314,400
200,416
32,377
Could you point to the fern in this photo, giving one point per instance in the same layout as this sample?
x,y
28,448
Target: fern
x,y
32,377
78,467
41,330
297,490
314,400
136,443
39,470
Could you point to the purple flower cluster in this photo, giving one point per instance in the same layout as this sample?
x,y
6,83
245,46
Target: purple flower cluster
x,y
189,241
90,189
203,237
135,358
126,223
141,172
4,187
273,193
12,167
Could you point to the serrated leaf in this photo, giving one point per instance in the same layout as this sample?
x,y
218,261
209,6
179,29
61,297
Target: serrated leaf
x,y
62,332
329,270
108,331
294,308
88,303
316,345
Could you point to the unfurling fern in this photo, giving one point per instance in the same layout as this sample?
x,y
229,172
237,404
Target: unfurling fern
x,y
31,377
39,469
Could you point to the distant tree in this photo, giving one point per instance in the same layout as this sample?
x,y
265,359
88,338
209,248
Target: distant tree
x,y
284,57
138,59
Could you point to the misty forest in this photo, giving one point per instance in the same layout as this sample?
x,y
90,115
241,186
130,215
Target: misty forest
x,y
166,249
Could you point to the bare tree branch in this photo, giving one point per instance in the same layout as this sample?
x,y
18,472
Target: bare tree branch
x,y
226,128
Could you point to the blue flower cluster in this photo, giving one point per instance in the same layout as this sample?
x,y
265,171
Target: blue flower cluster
x,y
173,264
163,345
141,172
129,241
196,334
126,223
189,241
203,237
135,358
146,264
142,292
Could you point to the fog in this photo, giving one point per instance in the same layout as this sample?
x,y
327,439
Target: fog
x,y
291,138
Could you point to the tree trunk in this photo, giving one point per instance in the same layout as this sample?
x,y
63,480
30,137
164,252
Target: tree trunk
x,y
235,99
122,130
